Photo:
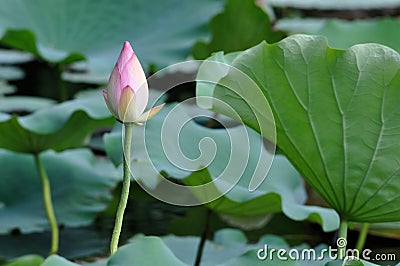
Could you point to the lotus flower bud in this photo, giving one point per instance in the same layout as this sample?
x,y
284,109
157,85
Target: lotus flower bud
x,y
127,91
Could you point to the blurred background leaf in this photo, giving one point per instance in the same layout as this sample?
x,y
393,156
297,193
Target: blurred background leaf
x,y
343,34
55,260
65,31
282,191
27,260
160,254
72,245
81,187
14,57
239,26
10,73
12,104
54,127
334,4
231,247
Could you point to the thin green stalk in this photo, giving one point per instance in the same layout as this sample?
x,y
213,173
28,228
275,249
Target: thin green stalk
x,y
342,239
48,204
362,237
203,239
125,189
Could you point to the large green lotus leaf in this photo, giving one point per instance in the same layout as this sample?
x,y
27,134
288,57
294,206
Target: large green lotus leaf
x,y
161,31
80,185
230,33
59,127
336,116
333,4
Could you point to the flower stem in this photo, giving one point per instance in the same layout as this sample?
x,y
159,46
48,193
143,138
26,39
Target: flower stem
x,y
203,239
125,188
48,204
362,237
342,240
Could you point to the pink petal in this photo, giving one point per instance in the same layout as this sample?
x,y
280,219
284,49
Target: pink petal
x,y
149,114
128,92
125,55
133,75
127,105
114,88
108,104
